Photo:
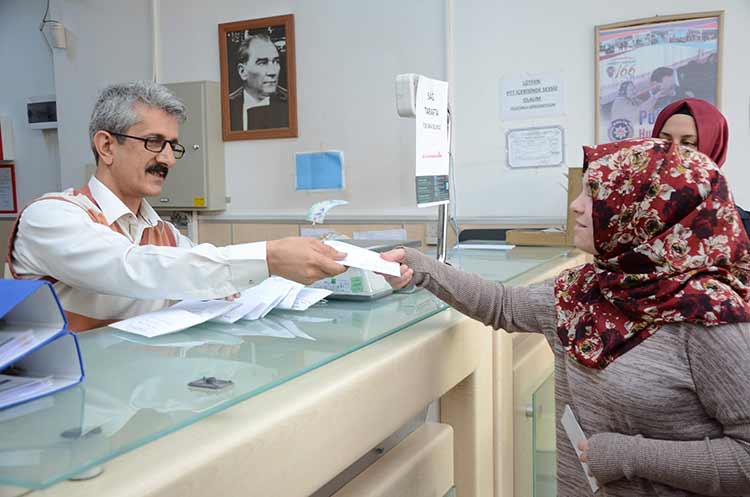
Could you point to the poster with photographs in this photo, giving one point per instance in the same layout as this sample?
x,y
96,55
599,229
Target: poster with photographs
x,y
258,81
644,65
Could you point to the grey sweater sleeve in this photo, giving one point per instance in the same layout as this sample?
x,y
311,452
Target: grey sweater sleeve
x,y
720,365
514,309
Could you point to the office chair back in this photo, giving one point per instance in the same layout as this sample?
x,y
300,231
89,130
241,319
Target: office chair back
x,y
492,234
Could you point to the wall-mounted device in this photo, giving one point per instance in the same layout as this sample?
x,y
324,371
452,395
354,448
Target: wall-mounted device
x,y
41,112
54,32
406,94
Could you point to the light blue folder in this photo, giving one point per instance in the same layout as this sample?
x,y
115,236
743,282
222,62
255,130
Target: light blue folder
x,y
50,351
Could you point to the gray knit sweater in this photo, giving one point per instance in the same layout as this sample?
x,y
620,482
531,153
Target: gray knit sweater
x,y
671,417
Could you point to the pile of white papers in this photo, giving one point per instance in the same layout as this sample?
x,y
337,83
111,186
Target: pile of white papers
x,y
14,342
15,389
253,303
272,293
178,317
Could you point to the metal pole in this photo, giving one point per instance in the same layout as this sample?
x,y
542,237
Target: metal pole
x,y
442,235
443,212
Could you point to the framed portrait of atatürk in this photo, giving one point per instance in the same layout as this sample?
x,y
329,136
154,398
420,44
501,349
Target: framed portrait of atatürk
x,y
258,80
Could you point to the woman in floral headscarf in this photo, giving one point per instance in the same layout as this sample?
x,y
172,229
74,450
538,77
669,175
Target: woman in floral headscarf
x,y
651,340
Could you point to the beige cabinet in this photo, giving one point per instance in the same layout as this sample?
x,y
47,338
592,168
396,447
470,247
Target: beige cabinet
x,y
197,182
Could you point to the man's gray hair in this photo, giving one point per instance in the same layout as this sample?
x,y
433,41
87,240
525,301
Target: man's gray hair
x,y
115,108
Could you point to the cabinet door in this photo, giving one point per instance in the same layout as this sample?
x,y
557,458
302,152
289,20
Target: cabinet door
x,y
186,185
544,439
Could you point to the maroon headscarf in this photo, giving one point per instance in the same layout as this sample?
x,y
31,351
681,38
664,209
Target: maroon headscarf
x,y
713,132
670,245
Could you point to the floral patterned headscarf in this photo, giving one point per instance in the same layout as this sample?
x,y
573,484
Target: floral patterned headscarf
x,y
670,245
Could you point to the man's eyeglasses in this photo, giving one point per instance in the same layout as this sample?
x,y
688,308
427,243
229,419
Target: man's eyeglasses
x,y
156,144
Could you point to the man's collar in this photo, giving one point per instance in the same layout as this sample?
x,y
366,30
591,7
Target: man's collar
x,y
250,101
113,208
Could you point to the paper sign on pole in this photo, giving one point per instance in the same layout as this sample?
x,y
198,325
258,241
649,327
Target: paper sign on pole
x,y
432,150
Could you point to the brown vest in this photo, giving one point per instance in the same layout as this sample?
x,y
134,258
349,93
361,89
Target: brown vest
x,y
159,235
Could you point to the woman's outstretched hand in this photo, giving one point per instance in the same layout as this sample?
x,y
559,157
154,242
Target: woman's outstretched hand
x,y
407,273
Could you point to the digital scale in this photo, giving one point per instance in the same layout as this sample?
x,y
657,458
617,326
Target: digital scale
x,y
361,284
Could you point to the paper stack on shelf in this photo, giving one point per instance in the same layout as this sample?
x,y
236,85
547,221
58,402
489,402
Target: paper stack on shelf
x,y
38,355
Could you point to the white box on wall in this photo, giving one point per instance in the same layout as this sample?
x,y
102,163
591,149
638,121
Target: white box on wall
x,y
7,152
41,112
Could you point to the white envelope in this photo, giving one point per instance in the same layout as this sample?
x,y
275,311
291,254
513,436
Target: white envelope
x,y
576,435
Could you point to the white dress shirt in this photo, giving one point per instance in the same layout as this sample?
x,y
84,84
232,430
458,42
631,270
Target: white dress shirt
x,y
105,275
248,102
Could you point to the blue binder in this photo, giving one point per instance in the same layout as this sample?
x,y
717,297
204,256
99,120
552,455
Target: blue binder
x,y
35,343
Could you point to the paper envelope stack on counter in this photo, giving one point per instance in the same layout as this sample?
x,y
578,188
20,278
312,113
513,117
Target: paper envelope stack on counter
x,y
253,303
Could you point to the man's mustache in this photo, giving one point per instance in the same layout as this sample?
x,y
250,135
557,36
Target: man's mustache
x,y
159,169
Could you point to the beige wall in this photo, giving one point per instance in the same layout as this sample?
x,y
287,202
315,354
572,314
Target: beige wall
x,y
5,226
243,232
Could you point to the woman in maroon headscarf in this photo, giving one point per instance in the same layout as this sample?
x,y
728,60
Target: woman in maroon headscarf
x,y
697,124
651,339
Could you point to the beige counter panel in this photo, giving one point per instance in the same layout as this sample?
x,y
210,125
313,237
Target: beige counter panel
x,y
5,226
292,439
420,466
509,444
218,234
247,233
468,408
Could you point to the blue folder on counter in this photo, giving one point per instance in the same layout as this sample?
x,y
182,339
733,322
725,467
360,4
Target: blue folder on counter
x,y
38,355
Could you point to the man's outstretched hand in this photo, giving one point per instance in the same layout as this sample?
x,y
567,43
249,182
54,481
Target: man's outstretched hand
x,y
304,260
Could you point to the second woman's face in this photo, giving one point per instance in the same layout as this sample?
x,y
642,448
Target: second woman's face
x,y
680,129
583,232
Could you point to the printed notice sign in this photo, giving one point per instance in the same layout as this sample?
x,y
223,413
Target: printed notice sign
x,y
535,147
432,150
531,96
8,202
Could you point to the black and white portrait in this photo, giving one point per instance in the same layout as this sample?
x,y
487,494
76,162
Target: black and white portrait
x,y
258,78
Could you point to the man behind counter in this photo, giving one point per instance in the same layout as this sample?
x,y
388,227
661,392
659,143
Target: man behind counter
x,y
110,255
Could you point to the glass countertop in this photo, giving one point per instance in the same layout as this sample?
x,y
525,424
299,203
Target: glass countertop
x,y
504,265
136,389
